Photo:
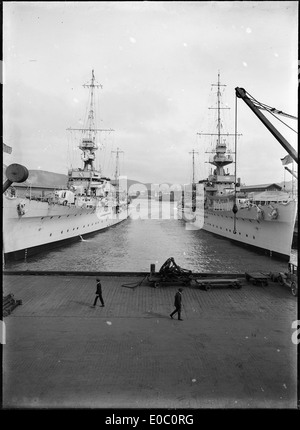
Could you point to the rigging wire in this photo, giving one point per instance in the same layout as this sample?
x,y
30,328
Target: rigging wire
x,y
123,162
110,160
269,109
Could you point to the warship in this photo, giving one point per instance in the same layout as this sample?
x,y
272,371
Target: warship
x,y
263,221
90,202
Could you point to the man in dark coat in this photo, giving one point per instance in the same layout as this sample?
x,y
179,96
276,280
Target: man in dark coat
x,y
177,304
98,294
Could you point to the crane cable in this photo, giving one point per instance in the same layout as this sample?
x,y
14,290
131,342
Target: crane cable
x,y
271,110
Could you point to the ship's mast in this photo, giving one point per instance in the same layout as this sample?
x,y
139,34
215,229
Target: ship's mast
x,y
193,152
220,159
91,116
88,143
117,171
219,123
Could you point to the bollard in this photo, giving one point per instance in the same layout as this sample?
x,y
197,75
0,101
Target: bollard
x,y
152,268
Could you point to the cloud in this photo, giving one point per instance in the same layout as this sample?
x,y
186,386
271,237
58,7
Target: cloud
x,y
136,109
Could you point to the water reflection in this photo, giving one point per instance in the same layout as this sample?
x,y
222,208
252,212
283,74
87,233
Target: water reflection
x,y
140,241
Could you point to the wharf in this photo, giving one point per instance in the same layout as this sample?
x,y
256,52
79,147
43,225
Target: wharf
x,y
233,348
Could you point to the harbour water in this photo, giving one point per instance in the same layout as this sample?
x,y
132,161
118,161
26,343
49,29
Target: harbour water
x,y
150,237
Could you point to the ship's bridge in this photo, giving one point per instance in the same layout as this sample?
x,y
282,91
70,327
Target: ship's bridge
x,y
87,143
80,174
220,159
229,179
211,189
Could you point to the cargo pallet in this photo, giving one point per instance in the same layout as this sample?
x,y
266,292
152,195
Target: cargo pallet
x,y
207,284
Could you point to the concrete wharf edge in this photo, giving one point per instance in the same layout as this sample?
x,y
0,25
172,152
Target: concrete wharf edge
x,y
233,348
117,274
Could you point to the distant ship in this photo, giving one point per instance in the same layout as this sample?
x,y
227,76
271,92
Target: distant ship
x,y
263,221
89,203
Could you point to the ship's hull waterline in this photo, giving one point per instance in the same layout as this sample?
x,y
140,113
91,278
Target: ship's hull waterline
x,y
45,226
270,236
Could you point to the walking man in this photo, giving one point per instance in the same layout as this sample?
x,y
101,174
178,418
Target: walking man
x,y
98,294
177,304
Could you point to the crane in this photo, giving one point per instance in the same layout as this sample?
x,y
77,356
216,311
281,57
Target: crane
x,y
256,108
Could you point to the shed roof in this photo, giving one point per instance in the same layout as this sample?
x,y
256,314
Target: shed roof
x,y
260,186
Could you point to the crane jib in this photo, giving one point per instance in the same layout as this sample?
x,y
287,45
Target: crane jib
x,y
241,93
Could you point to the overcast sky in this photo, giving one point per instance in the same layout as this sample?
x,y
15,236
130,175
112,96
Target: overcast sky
x,y
156,62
